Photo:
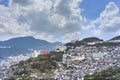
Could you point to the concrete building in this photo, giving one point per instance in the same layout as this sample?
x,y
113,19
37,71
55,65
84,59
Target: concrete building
x,y
35,53
61,48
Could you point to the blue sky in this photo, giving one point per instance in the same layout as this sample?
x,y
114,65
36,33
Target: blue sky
x,y
4,2
93,8
91,11
63,20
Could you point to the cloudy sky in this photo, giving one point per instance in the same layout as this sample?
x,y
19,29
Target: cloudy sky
x,y
59,20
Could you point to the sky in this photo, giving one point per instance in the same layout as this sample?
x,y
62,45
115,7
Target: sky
x,y
59,20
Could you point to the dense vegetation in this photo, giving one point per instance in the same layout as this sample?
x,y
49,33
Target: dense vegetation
x,y
43,66
91,39
109,74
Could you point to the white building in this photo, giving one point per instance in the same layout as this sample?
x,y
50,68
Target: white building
x,y
35,54
62,48
77,58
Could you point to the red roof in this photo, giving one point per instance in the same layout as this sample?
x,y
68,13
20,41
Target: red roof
x,y
44,52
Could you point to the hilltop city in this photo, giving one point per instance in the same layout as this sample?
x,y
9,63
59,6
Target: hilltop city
x,y
71,61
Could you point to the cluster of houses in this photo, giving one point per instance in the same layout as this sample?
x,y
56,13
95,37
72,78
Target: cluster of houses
x,y
7,62
77,61
80,61
11,60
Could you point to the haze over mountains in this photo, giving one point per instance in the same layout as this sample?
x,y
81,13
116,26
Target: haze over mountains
x,y
28,42
23,45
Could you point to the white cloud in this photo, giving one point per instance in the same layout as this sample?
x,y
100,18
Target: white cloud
x,y
71,36
8,25
41,17
109,19
108,22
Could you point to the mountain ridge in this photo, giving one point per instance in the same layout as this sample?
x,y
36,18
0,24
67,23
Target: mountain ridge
x,y
91,39
23,44
116,38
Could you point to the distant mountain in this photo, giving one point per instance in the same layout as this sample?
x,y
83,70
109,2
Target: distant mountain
x,y
25,42
4,52
21,45
116,38
91,39
85,42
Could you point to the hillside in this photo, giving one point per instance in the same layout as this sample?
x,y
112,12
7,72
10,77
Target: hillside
x,y
84,42
109,74
99,42
91,39
116,38
42,66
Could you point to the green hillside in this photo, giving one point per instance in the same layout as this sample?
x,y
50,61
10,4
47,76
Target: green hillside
x,y
42,66
109,74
